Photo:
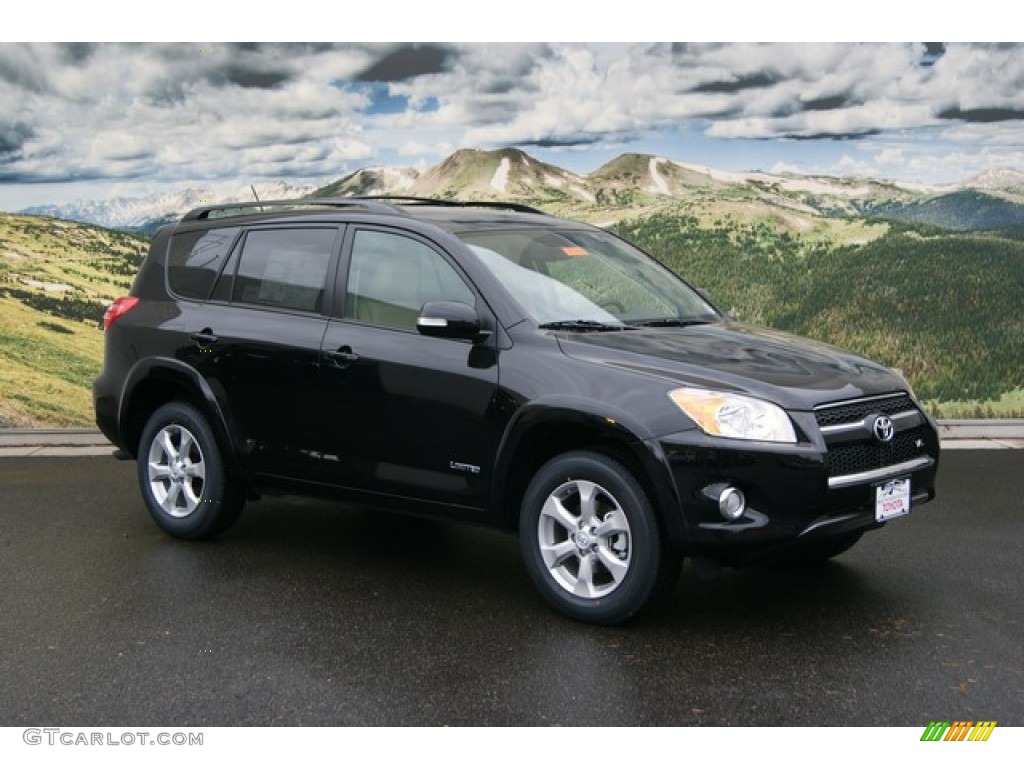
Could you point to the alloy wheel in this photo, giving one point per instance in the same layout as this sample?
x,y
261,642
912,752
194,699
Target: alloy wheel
x,y
177,473
584,539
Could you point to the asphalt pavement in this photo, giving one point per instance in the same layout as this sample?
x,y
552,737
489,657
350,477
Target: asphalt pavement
x,y
307,613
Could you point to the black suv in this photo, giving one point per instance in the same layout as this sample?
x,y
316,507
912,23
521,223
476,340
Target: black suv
x,y
495,364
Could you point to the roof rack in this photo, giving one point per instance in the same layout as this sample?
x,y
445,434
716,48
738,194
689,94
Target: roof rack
x,y
404,199
371,203
203,213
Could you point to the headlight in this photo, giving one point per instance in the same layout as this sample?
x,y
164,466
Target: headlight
x,y
727,415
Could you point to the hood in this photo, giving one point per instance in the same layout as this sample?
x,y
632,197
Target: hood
x,y
794,372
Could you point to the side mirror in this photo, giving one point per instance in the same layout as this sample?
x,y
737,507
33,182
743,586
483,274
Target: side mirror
x,y
449,320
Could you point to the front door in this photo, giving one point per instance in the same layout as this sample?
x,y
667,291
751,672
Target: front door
x,y
409,415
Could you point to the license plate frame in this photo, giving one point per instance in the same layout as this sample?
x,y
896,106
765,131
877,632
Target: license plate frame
x,y
892,499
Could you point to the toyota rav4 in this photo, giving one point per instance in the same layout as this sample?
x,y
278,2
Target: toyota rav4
x,y
491,363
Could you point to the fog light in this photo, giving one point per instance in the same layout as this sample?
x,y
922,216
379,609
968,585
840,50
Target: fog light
x,y
732,503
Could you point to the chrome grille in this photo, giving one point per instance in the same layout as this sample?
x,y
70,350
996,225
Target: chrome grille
x,y
852,458
852,448
846,413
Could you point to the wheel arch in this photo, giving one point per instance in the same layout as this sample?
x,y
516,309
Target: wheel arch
x,y
544,430
155,381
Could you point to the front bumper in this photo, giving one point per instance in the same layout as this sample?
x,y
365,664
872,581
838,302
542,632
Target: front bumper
x,y
794,494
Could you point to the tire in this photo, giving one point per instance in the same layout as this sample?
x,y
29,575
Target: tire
x,y
184,480
590,540
823,551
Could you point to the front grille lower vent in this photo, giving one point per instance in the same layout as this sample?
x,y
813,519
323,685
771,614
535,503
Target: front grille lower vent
x,y
852,458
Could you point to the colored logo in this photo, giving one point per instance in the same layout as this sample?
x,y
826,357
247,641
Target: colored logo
x,y
960,730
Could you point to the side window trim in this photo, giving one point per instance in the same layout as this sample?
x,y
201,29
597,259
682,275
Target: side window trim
x,y
227,271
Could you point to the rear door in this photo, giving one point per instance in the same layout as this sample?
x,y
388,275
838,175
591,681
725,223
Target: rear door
x,y
257,342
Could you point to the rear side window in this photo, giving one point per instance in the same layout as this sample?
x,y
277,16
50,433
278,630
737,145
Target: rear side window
x,y
195,260
284,268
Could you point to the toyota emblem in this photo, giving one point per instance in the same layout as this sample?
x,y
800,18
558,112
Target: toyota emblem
x,y
883,429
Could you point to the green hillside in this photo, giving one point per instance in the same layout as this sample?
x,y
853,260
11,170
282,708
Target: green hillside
x,y
55,279
942,306
966,209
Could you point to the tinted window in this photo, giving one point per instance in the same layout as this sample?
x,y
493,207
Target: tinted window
x,y
195,259
391,277
284,268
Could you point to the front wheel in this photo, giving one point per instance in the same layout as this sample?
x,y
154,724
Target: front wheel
x,y
590,540
184,480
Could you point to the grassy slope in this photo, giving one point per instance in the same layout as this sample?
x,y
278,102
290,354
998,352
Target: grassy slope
x,y
50,345
46,374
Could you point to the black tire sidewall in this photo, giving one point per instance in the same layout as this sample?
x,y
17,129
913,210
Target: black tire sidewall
x,y
638,585
219,506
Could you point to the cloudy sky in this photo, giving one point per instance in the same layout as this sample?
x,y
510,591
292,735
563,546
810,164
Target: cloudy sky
x,y
93,121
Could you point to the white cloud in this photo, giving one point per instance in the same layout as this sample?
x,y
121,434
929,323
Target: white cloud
x,y
850,166
890,156
173,111
963,164
782,168
415,148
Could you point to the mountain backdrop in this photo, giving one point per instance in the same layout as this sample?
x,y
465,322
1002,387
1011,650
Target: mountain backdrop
x,y
927,279
629,184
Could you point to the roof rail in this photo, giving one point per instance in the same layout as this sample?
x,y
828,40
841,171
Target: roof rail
x,y
404,199
369,204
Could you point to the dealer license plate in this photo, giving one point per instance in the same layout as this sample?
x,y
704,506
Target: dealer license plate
x,y
892,499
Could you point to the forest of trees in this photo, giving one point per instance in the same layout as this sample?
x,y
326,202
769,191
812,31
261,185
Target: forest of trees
x,y
944,307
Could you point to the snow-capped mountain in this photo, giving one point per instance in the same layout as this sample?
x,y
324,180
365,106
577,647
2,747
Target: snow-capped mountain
x,y
1005,179
501,174
141,212
631,184
375,180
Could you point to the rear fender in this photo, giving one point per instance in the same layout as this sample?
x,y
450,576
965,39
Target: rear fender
x,y
172,379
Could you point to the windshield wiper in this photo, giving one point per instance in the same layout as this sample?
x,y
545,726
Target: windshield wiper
x,y
583,325
669,322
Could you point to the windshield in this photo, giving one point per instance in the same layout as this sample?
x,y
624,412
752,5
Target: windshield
x,y
593,277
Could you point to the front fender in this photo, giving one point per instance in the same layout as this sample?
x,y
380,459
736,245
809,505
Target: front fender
x,y
602,423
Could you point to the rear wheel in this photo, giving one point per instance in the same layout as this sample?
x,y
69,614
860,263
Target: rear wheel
x,y
184,480
590,539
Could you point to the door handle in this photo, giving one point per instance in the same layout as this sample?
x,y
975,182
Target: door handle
x,y
342,357
204,338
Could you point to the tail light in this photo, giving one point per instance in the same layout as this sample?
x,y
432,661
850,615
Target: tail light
x,y
118,308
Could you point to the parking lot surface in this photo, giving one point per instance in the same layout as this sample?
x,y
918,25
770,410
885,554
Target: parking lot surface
x,y
307,613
